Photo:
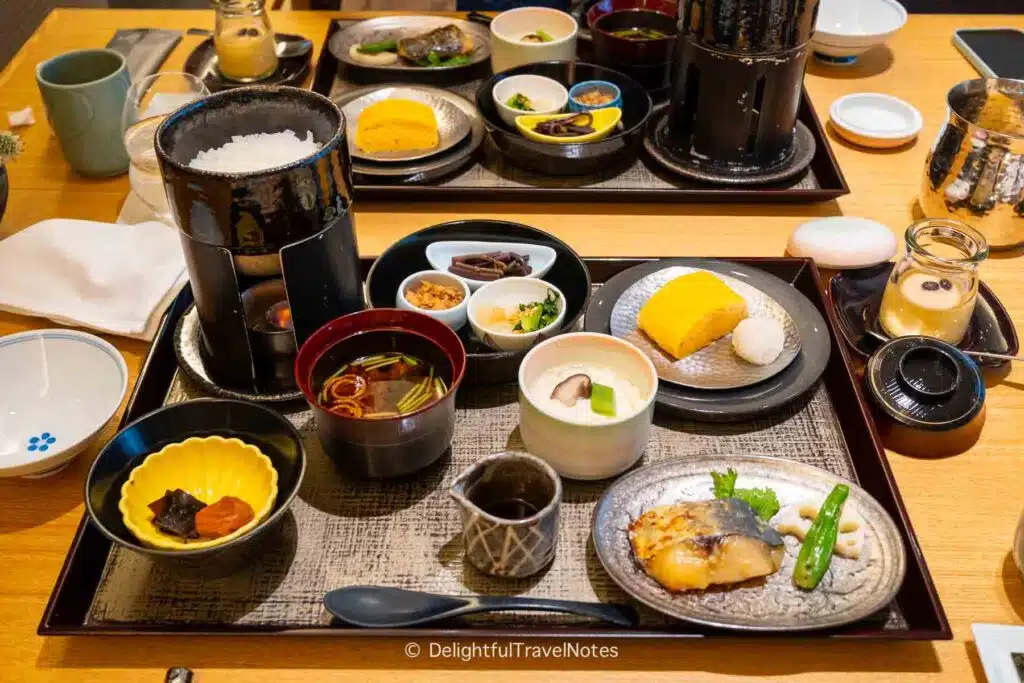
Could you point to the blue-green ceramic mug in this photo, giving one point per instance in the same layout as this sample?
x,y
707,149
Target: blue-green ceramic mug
x,y
84,92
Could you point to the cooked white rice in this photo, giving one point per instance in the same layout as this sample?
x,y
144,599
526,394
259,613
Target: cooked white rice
x,y
257,152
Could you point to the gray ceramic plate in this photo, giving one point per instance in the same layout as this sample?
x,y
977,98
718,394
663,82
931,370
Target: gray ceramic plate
x,y
188,339
388,28
431,168
715,366
850,591
452,123
744,403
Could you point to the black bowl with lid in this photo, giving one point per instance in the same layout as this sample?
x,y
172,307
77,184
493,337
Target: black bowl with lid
x,y
932,394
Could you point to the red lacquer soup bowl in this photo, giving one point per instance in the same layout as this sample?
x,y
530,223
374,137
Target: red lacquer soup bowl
x,y
383,446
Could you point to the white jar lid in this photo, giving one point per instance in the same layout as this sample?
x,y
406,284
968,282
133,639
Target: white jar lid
x,y
875,120
843,242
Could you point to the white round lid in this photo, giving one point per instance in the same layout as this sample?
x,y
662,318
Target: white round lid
x,y
843,242
878,117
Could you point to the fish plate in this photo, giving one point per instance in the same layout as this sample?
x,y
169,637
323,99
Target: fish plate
x,y
715,366
397,27
850,591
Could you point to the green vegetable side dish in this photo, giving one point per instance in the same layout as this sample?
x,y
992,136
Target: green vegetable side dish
x,y
521,102
816,552
764,501
377,48
434,60
538,314
602,399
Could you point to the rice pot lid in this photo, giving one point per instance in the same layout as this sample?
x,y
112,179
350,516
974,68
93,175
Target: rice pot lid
x,y
925,383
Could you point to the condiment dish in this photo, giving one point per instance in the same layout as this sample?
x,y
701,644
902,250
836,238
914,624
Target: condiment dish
x,y
540,258
510,46
575,104
848,28
577,449
208,468
252,424
60,388
875,120
604,122
454,317
546,95
507,295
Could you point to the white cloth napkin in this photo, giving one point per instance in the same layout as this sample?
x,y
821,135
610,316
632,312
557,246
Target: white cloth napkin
x,y
110,277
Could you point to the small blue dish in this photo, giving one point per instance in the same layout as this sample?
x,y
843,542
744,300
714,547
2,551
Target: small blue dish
x,y
603,86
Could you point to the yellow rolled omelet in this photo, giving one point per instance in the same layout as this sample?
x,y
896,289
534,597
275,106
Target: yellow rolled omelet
x,y
690,312
397,125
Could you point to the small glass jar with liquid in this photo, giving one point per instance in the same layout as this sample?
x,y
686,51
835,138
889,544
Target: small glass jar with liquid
x,y
933,288
244,40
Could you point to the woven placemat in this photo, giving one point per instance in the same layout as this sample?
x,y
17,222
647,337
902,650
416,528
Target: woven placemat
x,y
492,171
407,533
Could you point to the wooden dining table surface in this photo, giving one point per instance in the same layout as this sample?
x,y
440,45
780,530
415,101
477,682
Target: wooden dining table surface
x,y
964,509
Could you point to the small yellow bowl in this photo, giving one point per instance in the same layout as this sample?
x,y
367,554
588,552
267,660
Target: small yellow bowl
x,y
604,123
209,468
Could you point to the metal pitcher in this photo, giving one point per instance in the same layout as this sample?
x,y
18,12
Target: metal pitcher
x,y
975,170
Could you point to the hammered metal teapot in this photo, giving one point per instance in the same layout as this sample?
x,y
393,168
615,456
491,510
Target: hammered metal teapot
x,y
975,170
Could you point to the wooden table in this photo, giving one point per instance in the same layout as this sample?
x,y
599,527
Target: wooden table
x,y
964,509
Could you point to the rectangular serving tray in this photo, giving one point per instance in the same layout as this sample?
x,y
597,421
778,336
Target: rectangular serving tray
x,y
830,180
68,608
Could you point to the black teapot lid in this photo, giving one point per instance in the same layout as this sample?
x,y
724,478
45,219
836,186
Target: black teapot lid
x,y
926,383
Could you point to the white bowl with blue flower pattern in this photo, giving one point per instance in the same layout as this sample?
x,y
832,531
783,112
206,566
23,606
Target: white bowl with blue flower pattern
x,y
59,389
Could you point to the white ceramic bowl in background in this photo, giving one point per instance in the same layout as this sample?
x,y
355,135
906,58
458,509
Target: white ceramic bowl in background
x,y
59,389
508,28
580,451
454,317
507,294
547,94
440,255
875,120
848,28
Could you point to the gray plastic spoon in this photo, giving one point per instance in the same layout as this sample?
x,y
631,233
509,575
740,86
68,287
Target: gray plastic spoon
x,y
382,607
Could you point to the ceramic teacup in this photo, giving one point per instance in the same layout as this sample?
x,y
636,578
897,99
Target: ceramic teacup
x,y
510,503
84,92
511,45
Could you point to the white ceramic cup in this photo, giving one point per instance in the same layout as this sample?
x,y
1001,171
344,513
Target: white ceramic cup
x,y
506,294
454,317
548,95
508,49
581,451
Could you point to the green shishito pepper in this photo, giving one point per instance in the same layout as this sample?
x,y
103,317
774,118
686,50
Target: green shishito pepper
x,y
816,552
377,48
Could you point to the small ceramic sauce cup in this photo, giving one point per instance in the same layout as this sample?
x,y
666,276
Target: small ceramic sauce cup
x,y
574,449
604,87
510,504
454,317
508,30
547,96
506,294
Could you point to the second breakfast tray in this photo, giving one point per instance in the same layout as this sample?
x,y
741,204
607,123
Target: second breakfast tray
x,y
406,533
487,176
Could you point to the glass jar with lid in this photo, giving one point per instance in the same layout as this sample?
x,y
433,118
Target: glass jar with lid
x,y
933,288
244,40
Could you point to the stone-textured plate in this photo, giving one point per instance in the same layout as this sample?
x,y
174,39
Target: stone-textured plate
x,y
851,589
430,168
715,366
452,123
388,28
692,165
187,340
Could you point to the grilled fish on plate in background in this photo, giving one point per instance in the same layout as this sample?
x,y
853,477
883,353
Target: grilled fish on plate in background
x,y
446,41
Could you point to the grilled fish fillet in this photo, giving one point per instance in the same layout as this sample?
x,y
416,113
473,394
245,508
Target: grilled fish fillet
x,y
693,545
447,41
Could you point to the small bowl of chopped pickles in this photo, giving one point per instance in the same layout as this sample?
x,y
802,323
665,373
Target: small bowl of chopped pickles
x,y
438,294
591,95
514,313
528,94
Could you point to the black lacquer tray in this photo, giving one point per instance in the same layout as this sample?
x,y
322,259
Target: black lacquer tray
x,y
916,614
488,177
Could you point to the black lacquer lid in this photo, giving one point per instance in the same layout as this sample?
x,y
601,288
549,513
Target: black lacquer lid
x,y
926,383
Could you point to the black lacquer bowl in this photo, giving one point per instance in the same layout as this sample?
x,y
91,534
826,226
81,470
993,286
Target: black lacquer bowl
x,y
256,212
615,151
266,429
407,256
